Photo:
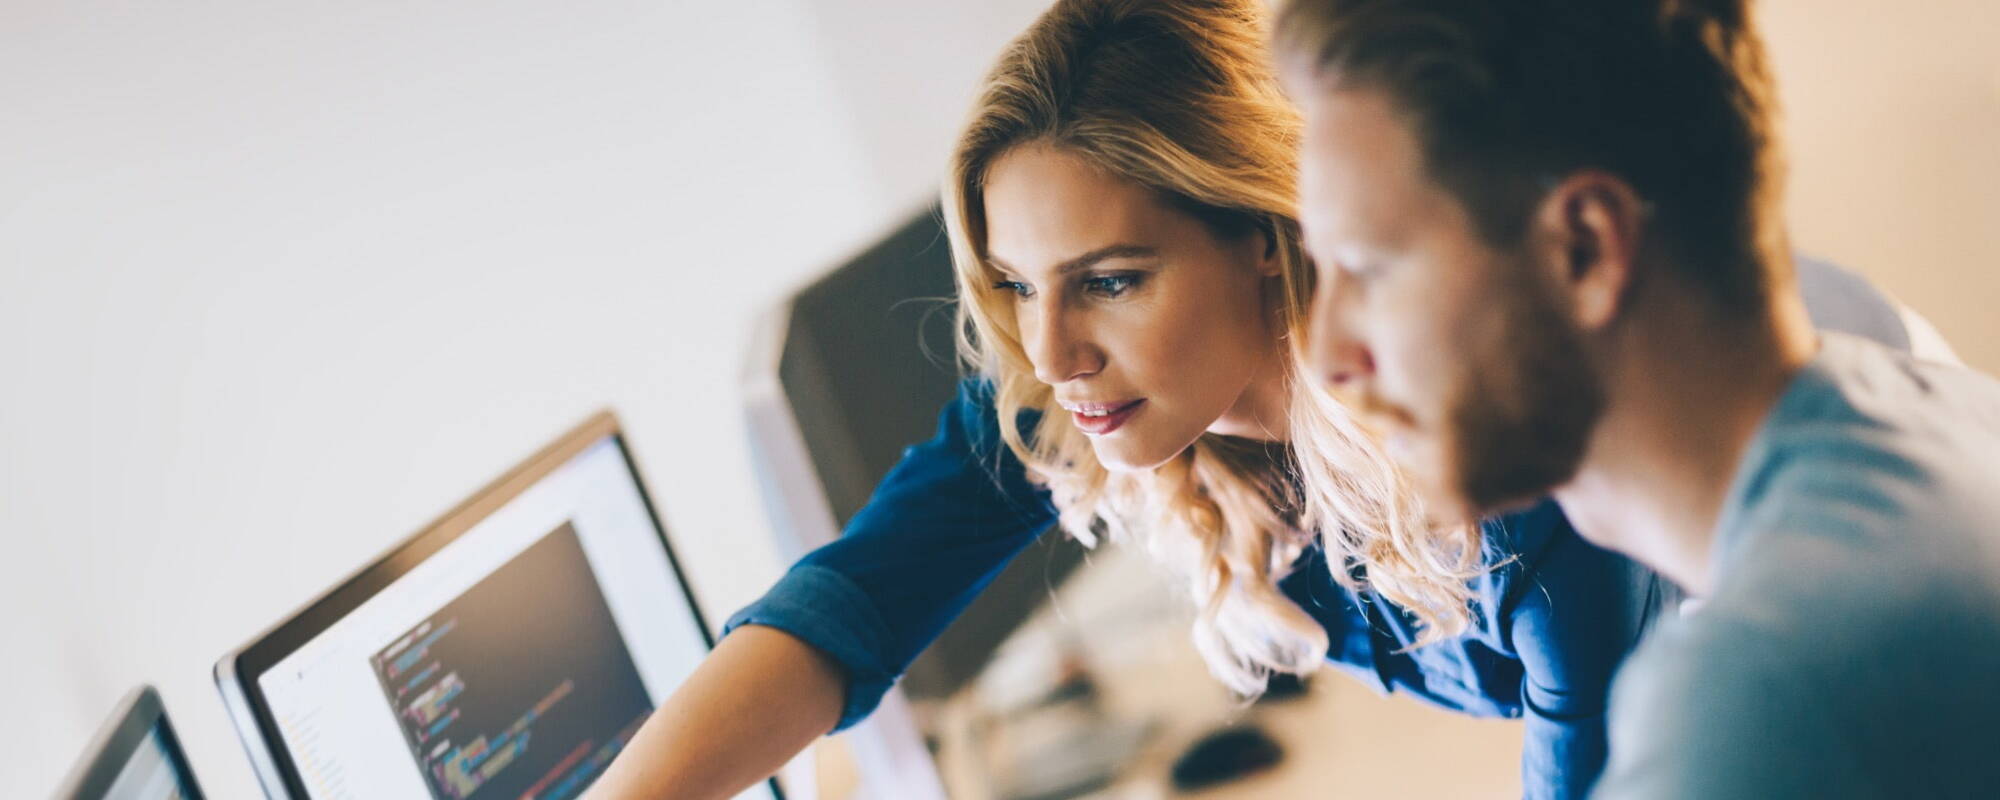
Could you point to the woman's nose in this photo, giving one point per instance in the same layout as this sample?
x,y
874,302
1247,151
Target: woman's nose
x,y
1059,346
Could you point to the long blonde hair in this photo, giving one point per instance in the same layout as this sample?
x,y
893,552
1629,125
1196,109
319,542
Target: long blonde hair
x,y
1180,97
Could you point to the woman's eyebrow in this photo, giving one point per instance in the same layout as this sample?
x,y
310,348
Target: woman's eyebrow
x,y
1086,260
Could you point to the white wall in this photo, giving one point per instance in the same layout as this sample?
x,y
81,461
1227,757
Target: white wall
x,y
1893,123
280,282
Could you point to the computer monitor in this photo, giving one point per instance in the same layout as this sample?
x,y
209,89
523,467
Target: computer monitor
x,y
510,649
848,372
843,375
134,757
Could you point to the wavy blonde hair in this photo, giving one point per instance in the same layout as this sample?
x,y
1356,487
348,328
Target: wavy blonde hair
x,y
1180,97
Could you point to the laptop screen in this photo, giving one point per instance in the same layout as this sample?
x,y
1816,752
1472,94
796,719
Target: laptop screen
x,y
515,661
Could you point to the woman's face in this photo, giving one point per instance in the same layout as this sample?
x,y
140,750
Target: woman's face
x,y
1148,326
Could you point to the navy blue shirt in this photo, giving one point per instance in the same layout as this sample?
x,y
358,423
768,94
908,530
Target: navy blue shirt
x,y
1553,619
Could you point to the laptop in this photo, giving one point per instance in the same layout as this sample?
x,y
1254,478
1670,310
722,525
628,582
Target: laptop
x,y
510,649
133,757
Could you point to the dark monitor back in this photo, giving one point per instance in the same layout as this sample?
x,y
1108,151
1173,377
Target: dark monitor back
x,y
867,364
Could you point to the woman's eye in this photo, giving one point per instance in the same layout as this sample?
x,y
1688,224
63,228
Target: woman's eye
x,y
1110,285
1018,288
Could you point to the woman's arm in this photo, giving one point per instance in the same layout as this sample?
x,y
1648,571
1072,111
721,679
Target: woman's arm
x,y
816,653
755,702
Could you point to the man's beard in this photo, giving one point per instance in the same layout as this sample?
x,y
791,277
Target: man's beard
x,y
1529,402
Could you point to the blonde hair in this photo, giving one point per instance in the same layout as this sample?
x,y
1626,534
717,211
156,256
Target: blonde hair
x,y
1179,97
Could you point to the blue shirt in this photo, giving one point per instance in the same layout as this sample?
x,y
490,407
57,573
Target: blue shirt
x,y
1851,644
1553,621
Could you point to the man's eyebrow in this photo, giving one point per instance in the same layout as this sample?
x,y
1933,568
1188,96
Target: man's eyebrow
x,y
1086,260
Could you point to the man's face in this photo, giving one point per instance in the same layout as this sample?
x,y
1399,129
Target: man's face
x,y
1457,353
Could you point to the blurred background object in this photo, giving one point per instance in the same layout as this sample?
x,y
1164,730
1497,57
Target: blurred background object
x,y
856,367
278,282
843,375
1152,703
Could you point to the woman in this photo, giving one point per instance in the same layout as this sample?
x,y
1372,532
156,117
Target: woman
x,y
1131,292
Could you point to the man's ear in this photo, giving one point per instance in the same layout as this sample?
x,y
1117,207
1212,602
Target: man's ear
x,y
1587,232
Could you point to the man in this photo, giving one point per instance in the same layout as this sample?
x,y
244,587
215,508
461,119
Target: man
x,y
1552,259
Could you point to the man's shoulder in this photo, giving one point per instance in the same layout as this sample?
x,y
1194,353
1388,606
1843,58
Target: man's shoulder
x,y
1864,383
1706,704
1809,683
1855,619
1868,439
1874,554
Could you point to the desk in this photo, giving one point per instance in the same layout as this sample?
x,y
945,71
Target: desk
x,y
1341,739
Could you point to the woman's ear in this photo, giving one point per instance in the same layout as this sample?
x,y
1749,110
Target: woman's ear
x,y
1271,265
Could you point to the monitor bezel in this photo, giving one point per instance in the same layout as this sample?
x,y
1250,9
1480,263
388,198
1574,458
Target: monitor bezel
x,y
237,673
138,716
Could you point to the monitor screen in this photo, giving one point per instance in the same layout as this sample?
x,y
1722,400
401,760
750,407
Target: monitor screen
x,y
152,773
135,756
516,660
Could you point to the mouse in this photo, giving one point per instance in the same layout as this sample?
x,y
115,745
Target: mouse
x,y
1225,755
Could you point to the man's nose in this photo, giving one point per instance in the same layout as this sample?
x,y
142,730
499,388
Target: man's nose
x,y
1338,356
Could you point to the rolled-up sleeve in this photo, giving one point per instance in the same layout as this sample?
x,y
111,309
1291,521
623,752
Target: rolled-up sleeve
x,y
1372,639
1554,616
1353,644
946,520
1570,612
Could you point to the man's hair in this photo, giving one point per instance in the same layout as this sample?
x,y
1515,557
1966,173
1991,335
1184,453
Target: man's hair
x,y
1508,96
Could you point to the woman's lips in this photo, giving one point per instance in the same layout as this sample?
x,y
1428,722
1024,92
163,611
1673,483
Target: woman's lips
x,y
1101,425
